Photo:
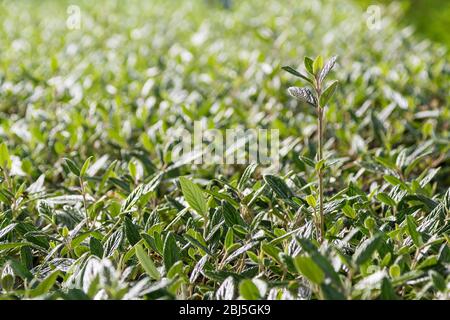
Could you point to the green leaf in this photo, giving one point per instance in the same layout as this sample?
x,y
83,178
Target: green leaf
x,y
319,165
331,293
428,262
349,211
7,282
288,262
437,280
231,215
320,260
307,161
5,160
366,249
175,270
271,251
412,230
229,239
152,243
317,65
396,182
198,269
20,270
328,93
72,166
394,271
139,192
131,231
197,244
307,267
246,175
146,263
248,290
309,65
387,291
386,199
296,73
45,285
171,252
85,166
194,196
96,247
132,199
13,245
311,201
38,238
278,186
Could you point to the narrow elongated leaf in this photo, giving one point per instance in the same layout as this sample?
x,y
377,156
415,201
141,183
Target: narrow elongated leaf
x,y
72,166
147,263
271,251
13,245
131,200
246,175
365,251
240,251
309,64
349,211
198,269
327,68
85,166
153,184
331,293
231,215
96,247
307,267
412,230
320,260
7,229
197,244
296,73
386,199
279,186
171,252
307,161
328,93
387,291
131,231
46,284
396,182
140,191
20,270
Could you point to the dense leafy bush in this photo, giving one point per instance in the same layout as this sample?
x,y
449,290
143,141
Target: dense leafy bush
x,y
92,204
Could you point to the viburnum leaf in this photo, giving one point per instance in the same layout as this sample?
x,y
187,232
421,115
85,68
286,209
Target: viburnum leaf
x,y
327,68
328,93
303,94
296,73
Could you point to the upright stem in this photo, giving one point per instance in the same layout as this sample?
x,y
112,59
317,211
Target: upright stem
x,y
320,171
83,193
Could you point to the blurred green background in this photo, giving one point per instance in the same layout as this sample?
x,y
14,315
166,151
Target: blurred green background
x,y
430,18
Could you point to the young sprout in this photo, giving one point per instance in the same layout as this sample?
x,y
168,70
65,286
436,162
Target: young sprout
x,y
318,98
